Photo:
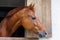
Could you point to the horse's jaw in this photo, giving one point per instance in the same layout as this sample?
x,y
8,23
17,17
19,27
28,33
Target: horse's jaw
x,y
41,33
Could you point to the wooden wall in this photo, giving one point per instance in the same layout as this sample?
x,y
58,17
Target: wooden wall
x,y
43,12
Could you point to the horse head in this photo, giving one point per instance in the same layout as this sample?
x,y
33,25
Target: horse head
x,y
24,16
32,23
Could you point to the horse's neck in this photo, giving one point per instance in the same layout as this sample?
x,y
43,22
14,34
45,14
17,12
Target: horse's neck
x,y
14,18
13,23
3,26
9,25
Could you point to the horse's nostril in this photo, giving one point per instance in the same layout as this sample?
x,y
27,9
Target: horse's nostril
x,y
45,33
41,36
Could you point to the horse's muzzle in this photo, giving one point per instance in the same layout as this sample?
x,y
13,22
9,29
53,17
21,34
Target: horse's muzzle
x,y
42,34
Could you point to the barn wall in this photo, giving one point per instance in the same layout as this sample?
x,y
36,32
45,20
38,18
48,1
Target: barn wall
x,y
43,12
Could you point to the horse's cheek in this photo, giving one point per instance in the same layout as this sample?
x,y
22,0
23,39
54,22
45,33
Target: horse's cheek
x,y
27,24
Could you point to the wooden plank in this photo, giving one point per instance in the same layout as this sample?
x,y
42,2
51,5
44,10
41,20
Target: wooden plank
x,y
14,38
43,12
46,11
9,38
12,3
48,17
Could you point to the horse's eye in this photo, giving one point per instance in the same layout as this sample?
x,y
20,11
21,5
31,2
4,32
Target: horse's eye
x,y
33,18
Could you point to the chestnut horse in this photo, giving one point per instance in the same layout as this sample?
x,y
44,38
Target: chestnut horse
x,y
21,16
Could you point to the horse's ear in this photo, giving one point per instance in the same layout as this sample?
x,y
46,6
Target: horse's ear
x,y
31,6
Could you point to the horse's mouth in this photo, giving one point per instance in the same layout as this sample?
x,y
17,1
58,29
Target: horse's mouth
x,y
42,34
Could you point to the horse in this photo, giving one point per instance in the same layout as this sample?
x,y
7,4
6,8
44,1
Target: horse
x,y
21,16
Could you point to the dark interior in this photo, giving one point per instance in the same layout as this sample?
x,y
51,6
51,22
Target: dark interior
x,y
5,7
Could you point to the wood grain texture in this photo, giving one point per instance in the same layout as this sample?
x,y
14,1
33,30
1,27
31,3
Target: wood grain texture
x,y
43,12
